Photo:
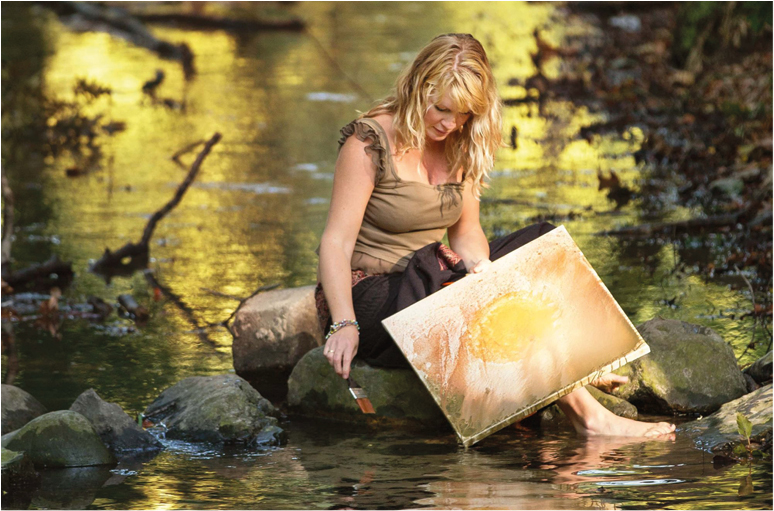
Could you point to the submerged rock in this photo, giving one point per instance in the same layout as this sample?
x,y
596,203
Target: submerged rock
x,y
70,488
272,331
60,439
689,370
396,394
760,370
18,408
719,431
552,416
17,469
219,409
117,430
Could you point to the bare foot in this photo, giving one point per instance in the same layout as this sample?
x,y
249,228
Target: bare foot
x,y
592,419
609,424
609,382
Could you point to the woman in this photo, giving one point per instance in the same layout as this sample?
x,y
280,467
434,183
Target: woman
x,y
408,171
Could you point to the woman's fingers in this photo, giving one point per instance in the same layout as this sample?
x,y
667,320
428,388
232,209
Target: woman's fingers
x,y
340,350
346,363
481,266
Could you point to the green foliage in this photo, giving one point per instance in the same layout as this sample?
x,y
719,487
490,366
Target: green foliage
x,y
748,20
692,18
744,425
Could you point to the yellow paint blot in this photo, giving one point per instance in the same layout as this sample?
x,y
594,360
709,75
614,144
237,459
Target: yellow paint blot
x,y
509,327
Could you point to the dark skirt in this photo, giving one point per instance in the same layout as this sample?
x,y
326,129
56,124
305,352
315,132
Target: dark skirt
x,y
380,296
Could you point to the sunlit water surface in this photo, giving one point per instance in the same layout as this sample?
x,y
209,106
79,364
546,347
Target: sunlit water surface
x,y
254,217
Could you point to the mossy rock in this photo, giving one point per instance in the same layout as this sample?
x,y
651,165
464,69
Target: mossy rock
x,y
398,396
689,370
119,432
719,431
216,409
18,408
60,439
760,370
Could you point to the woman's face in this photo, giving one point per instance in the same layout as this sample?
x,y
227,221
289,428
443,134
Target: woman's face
x,y
442,118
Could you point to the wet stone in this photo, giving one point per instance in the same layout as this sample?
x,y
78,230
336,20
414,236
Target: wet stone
x,y
272,331
689,370
60,439
18,408
216,409
719,431
117,430
760,370
398,396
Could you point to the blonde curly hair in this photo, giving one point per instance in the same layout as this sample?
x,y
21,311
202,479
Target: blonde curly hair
x,y
456,64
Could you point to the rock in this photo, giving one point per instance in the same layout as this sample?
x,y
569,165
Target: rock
x,y
18,408
689,370
760,370
626,22
70,488
60,439
117,430
552,416
751,383
719,432
272,331
396,394
729,186
219,409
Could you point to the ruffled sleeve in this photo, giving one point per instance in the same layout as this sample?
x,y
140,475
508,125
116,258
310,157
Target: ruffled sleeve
x,y
377,149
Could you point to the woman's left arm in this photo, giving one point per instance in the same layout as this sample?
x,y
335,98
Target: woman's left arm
x,y
466,237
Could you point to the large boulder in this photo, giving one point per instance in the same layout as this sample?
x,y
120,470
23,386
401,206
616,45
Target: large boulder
x,y
60,439
117,430
19,408
760,370
396,394
553,416
719,431
272,331
689,370
219,409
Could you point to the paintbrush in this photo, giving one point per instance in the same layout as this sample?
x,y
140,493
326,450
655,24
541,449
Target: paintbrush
x,y
360,396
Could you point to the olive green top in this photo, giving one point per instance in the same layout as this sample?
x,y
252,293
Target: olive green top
x,y
401,216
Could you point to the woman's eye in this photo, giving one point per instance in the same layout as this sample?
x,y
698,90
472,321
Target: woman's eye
x,y
441,109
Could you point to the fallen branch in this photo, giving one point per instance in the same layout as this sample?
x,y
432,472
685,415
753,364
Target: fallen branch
x,y
186,310
63,272
118,22
674,228
131,306
185,150
211,22
112,263
755,318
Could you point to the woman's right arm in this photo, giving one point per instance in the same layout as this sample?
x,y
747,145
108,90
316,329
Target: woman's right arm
x,y
353,181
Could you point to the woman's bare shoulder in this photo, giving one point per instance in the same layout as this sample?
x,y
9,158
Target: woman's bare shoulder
x,y
385,121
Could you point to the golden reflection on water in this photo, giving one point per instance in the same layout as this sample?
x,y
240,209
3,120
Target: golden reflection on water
x,y
258,206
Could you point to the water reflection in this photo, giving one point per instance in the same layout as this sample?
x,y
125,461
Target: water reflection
x,y
254,217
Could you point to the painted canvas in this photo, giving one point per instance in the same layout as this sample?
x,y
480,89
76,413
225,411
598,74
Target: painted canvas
x,y
495,347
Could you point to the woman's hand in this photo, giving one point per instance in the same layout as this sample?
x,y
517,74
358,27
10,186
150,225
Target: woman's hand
x,y
340,349
609,382
481,266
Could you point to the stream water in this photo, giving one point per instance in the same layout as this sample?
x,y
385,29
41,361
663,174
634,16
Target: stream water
x,y
254,217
